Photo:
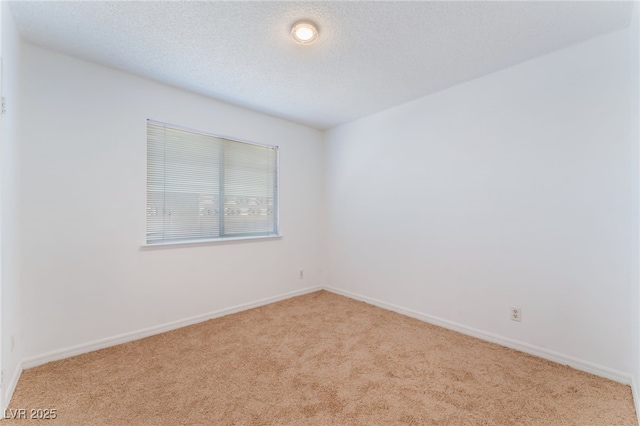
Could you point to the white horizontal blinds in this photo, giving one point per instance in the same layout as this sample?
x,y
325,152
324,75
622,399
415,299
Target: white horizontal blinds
x,y
250,189
183,185
155,183
203,187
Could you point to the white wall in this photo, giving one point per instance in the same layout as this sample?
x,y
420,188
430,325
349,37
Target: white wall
x,y
515,189
84,274
10,212
634,54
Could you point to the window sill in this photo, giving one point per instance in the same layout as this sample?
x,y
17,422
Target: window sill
x,y
207,242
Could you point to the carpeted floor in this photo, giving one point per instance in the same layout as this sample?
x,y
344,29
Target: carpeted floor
x,y
318,359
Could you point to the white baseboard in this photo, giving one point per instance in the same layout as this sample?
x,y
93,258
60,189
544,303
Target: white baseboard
x,y
150,331
11,387
480,334
636,397
559,358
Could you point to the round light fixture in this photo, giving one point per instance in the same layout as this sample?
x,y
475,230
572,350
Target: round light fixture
x,y
304,32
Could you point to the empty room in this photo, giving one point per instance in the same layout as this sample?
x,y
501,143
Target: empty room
x,y
320,213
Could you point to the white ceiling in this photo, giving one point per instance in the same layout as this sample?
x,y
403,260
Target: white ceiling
x,y
370,55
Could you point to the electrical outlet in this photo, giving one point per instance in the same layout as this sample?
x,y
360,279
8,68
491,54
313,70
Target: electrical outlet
x,y
516,314
301,274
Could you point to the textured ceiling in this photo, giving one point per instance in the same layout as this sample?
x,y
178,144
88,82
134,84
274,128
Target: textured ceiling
x,y
370,56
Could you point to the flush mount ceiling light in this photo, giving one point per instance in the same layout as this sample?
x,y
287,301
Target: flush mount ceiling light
x,y
304,32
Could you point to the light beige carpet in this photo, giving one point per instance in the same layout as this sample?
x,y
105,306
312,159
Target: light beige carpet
x,y
318,359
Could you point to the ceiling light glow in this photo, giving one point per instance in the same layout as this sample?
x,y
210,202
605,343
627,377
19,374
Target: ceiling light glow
x,y
304,32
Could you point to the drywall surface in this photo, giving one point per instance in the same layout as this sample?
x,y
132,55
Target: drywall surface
x,y
85,275
634,54
9,205
514,190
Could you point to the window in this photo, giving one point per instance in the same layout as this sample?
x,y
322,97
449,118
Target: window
x,y
203,187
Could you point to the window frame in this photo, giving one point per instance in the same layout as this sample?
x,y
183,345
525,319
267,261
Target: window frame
x,y
218,240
